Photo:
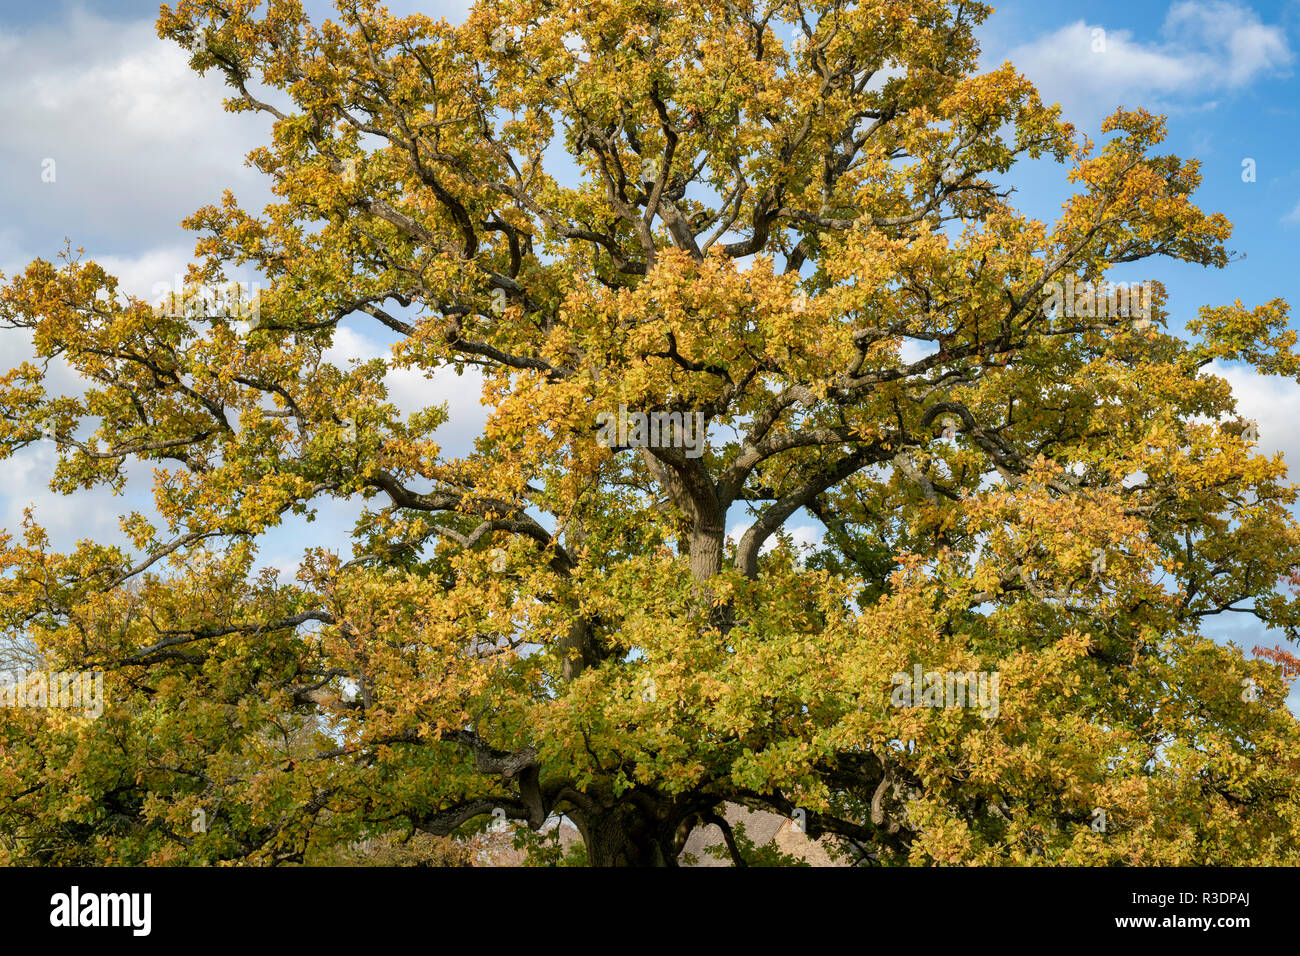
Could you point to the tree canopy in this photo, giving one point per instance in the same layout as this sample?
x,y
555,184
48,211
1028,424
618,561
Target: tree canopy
x,y
793,218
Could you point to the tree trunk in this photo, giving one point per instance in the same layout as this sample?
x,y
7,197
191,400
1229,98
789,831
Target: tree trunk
x,y
576,652
624,835
706,551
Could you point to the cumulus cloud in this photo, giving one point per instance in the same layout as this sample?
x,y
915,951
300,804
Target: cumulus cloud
x,y
89,514
802,535
110,138
1204,47
142,274
413,390
1231,37
806,535
1274,405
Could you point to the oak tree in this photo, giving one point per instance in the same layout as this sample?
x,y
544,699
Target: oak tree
x,y
794,218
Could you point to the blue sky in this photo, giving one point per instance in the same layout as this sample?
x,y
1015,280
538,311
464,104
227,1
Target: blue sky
x,y
139,142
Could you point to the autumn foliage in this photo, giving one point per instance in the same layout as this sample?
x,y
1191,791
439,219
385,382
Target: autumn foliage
x,y
793,217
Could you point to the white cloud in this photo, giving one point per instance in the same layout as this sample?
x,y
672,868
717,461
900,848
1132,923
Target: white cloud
x,y
913,350
806,535
87,514
803,535
140,275
138,141
1237,42
1205,46
1272,402
412,390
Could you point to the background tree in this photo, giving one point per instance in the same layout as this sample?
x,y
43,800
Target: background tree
x,y
792,217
